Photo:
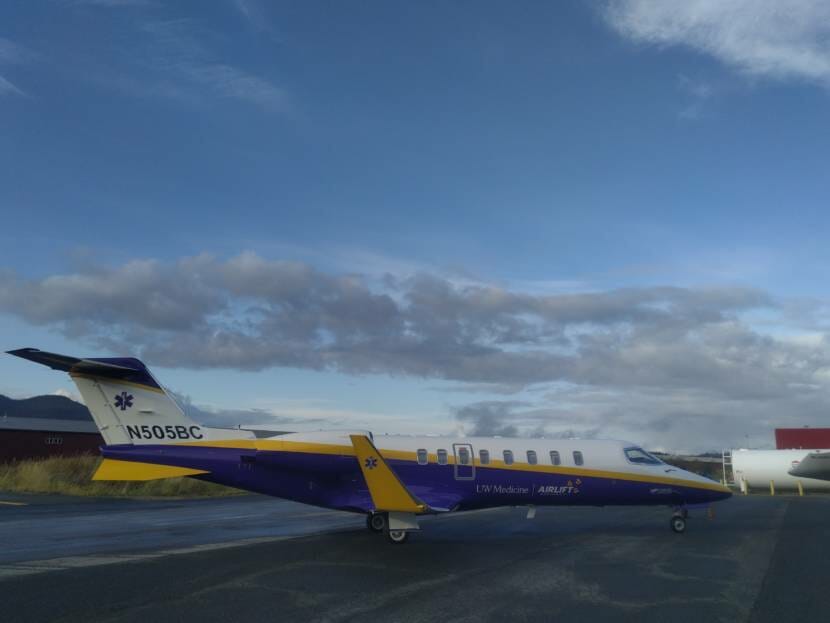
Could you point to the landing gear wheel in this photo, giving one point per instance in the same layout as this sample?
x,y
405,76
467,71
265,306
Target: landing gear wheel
x,y
397,536
678,524
376,522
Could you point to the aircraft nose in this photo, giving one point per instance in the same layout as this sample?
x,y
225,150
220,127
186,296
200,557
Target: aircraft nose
x,y
722,494
708,490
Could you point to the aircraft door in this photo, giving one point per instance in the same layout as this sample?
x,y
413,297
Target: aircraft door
x,y
465,468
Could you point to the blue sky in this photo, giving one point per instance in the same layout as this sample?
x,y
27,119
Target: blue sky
x,y
167,168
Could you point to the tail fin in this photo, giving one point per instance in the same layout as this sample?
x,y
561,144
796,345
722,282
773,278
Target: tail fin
x,y
128,405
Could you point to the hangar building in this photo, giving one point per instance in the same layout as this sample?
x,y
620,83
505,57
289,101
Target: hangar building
x,y
45,426
802,438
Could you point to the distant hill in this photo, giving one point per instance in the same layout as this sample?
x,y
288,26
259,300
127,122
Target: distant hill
x,y
52,407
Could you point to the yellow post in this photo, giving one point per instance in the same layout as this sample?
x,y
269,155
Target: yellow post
x,y
772,487
800,488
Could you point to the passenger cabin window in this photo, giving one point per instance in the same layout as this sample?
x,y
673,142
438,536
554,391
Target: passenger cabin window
x,y
578,460
463,456
442,457
423,457
555,458
640,457
484,457
531,457
508,457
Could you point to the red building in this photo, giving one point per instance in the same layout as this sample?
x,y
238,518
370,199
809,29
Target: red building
x,y
34,437
802,438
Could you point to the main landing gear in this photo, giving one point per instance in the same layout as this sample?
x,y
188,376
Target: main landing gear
x,y
376,522
379,522
678,520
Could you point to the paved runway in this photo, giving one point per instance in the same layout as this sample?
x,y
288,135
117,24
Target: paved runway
x,y
761,559
54,526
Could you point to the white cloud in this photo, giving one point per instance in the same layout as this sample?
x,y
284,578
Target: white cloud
x,y
686,367
231,82
7,88
68,394
780,39
115,4
179,64
697,93
12,54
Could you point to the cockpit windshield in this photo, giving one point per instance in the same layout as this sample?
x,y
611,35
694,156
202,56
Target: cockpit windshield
x,y
641,457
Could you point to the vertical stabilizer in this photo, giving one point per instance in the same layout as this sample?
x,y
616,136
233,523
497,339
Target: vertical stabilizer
x,y
127,403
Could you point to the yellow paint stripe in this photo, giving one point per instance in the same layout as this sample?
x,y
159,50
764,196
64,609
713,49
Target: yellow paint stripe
x,y
13,503
387,491
107,379
113,469
239,444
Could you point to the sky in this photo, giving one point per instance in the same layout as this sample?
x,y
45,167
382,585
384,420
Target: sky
x,y
592,219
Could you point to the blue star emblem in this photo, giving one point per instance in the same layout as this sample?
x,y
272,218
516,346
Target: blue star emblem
x,y
124,401
371,463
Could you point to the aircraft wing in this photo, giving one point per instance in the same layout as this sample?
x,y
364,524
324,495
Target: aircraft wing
x,y
387,491
814,465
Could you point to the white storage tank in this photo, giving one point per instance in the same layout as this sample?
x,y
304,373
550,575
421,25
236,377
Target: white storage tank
x,y
758,467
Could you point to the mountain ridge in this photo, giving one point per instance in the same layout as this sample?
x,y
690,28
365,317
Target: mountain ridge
x,y
46,406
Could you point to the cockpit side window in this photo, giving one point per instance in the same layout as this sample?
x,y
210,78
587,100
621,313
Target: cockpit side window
x,y
638,456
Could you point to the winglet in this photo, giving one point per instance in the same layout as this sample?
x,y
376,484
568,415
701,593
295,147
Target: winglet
x,y
387,491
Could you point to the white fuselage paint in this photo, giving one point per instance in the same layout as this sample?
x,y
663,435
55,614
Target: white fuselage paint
x,y
597,454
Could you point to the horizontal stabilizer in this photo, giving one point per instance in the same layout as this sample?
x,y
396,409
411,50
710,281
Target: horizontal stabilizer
x,y
113,469
120,368
387,491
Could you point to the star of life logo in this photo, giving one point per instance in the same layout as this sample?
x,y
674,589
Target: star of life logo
x,y
370,462
124,401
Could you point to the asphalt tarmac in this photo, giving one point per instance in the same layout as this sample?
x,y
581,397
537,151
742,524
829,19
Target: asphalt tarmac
x,y
258,559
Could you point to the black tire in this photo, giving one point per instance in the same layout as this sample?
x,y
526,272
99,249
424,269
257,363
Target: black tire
x,y
678,524
397,536
376,522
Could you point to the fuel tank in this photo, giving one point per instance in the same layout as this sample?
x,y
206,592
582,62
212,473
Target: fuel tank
x,y
758,467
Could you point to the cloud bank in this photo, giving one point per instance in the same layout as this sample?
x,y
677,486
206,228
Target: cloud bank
x,y
778,39
665,359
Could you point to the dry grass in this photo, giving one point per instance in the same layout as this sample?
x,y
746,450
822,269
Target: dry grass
x,y
73,476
